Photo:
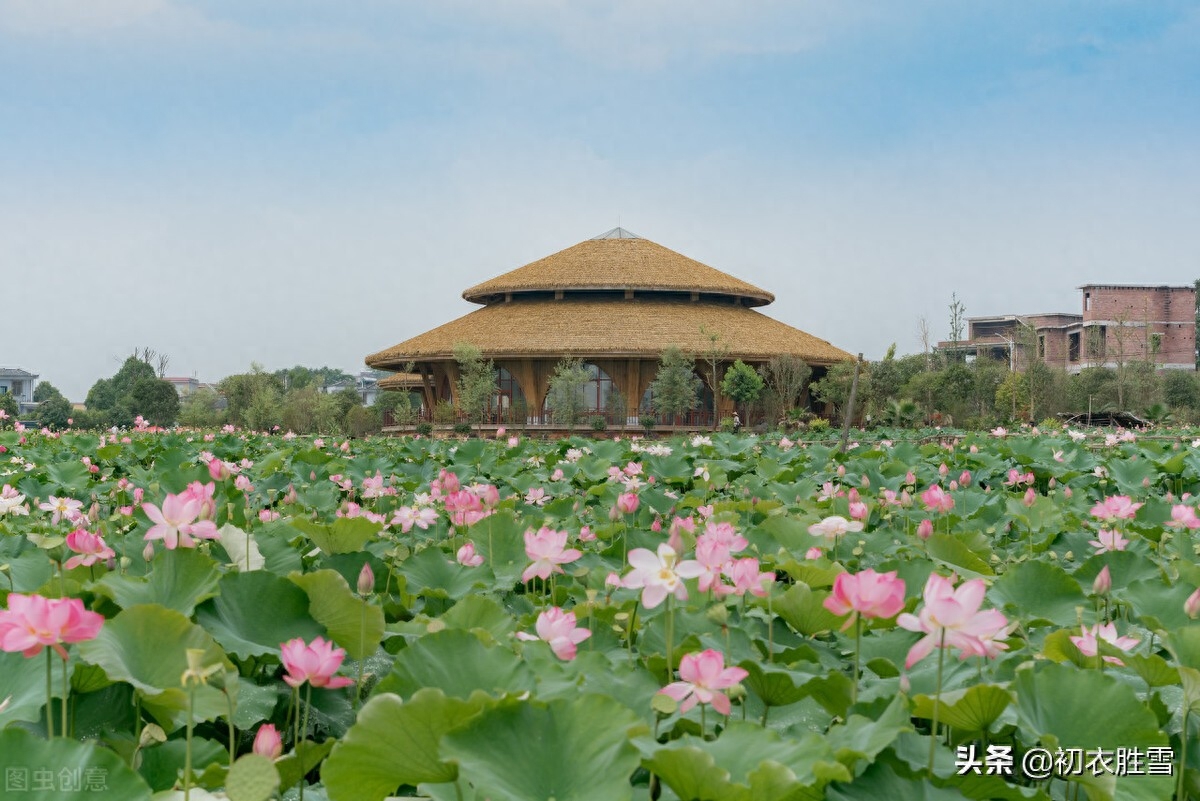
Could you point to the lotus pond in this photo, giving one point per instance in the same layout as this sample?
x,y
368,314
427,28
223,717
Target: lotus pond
x,y
244,616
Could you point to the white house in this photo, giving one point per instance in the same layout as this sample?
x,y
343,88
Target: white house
x,y
364,384
18,383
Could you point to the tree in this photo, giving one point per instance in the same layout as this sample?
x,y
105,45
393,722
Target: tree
x,y
834,388
676,386
201,409
956,319
714,356
785,377
1179,390
45,391
54,412
154,400
256,389
743,384
8,404
110,397
476,382
565,399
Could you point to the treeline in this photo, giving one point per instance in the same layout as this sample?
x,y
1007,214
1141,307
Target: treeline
x,y
932,389
291,399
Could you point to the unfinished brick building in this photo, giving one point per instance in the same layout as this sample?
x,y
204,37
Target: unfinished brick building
x,y
1120,323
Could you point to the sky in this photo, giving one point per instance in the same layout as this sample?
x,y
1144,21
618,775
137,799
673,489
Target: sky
x,y
309,182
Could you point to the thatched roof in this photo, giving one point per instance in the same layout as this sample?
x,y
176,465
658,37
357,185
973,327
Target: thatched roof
x,y
399,382
611,328
617,260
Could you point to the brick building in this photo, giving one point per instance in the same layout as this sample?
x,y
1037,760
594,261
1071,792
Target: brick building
x,y
1119,323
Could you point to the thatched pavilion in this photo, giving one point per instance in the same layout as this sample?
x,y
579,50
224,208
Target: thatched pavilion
x,y
616,301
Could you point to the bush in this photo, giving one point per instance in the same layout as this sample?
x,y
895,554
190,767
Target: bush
x,y
598,423
424,429
362,421
648,423
727,425
818,425
463,429
445,412
1050,424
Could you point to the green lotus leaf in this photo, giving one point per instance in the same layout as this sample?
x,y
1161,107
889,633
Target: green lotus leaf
x,y
256,613
52,770
457,663
178,579
432,572
252,778
972,709
344,535
1039,591
576,750
397,742
352,622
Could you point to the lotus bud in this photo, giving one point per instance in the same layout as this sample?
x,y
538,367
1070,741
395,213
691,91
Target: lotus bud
x,y
1030,497
267,742
613,580
841,471
964,478
943,470
218,469
905,684
1103,582
94,512
1067,492
366,580
813,553
925,529
1192,605
656,526
1052,483
953,485
909,478
148,552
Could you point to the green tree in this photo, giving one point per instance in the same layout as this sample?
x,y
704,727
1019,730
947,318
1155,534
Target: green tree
x,y
676,387
258,389
399,403
9,406
785,377
715,355
743,383
565,399
476,382
1179,389
201,409
111,397
834,387
154,400
45,391
54,412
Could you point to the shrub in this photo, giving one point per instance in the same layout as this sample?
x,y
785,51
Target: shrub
x,y
818,425
445,412
462,428
648,423
425,429
727,425
598,423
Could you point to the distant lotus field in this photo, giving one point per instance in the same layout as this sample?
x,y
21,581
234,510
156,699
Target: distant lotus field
x,y
722,617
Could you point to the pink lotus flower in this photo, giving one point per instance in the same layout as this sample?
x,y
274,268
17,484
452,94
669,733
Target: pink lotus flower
x,y
174,523
1183,516
464,508
925,529
627,503
813,553
833,527
548,549
203,494
408,516
859,511
1108,541
1114,508
1030,498
12,502
32,622
62,508
867,593
1088,644
951,618
267,742
316,663
536,496
703,677
725,534
1191,606
218,469
1103,582
89,547
660,575
558,629
937,499
712,555
747,578
467,557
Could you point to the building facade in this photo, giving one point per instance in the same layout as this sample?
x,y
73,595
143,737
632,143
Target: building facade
x,y
19,383
1118,324
616,302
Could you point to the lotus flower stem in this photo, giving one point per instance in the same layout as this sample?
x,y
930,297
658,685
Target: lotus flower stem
x,y
857,651
937,696
304,732
362,639
670,644
1183,747
187,754
49,697
66,694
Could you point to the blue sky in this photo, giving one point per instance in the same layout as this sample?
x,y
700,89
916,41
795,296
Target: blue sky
x,y
308,182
